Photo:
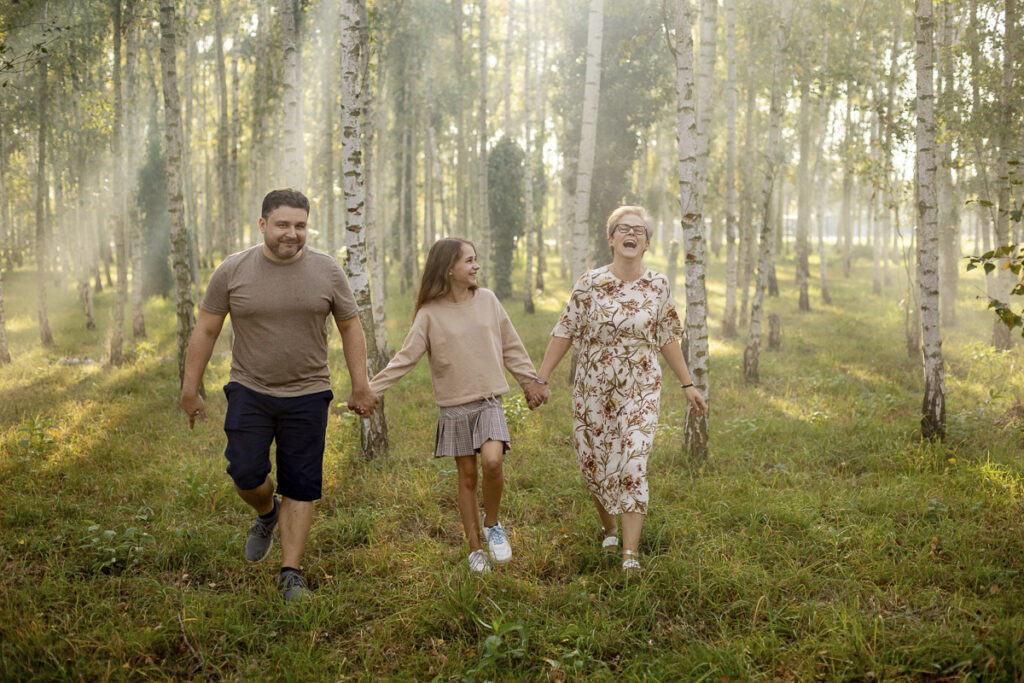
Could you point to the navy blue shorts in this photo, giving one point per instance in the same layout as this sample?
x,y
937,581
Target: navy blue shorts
x,y
298,425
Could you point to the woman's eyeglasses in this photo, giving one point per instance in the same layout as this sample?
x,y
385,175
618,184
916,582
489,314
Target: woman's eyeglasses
x,y
624,229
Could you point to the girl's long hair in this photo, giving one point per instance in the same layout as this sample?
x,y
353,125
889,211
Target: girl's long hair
x,y
440,259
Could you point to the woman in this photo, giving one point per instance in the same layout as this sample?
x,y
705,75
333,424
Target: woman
x,y
470,340
619,316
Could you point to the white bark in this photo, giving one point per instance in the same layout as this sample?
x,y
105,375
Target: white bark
x,y
179,234
353,15
803,193
484,220
1009,138
528,227
933,418
120,193
751,354
292,173
580,258
731,190
694,249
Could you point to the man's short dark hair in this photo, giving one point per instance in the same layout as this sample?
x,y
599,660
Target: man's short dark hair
x,y
284,197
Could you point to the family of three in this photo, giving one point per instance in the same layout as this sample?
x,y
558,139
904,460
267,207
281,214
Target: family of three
x,y
279,295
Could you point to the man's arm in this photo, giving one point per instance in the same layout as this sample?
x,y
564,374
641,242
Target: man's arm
x,y
200,348
362,400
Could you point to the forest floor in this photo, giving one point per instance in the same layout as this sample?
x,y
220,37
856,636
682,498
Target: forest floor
x,y
822,540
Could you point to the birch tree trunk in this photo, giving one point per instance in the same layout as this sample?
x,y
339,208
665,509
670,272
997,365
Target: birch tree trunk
x,y
933,412
748,236
751,353
705,71
120,193
461,148
846,208
949,229
821,175
132,106
222,233
327,83
528,226
353,14
42,236
374,250
294,173
540,116
1008,137
803,193
485,215
5,355
731,191
696,428
175,203
588,139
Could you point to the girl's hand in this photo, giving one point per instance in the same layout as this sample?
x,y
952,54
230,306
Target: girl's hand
x,y
697,402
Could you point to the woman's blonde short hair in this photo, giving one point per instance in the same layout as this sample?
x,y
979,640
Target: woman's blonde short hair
x,y
618,213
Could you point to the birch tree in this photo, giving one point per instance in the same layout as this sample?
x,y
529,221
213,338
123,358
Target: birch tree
x,y
373,430
803,192
293,172
136,246
42,189
374,251
1009,138
485,217
751,353
223,232
121,200
588,137
175,202
696,429
933,414
731,190
528,227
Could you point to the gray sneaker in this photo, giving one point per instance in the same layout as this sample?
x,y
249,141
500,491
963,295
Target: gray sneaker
x,y
261,535
292,586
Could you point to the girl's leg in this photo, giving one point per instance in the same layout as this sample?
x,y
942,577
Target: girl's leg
x,y
607,519
632,523
491,457
468,507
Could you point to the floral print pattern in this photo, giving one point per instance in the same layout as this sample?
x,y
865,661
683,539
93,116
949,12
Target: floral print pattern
x,y
617,328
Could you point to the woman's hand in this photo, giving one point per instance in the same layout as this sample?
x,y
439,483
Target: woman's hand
x,y
697,403
537,394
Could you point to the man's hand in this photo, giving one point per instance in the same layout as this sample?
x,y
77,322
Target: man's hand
x,y
194,407
362,402
537,394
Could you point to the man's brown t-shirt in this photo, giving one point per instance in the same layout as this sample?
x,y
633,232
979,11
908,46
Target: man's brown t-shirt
x,y
278,313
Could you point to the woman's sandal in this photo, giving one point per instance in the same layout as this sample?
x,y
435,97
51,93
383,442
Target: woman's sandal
x,y
630,561
610,542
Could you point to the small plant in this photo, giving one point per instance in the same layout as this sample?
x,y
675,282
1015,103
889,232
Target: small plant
x,y
516,411
112,550
40,436
1012,258
507,641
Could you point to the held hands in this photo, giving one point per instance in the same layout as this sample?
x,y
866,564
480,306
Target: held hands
x,y
194,407
697,403
537,394
362,402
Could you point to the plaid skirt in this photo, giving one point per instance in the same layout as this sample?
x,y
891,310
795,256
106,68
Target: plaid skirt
x,y
463,429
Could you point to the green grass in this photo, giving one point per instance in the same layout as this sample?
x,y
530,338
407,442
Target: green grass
x,y
822,540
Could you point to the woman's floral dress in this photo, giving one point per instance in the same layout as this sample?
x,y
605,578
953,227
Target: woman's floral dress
x,y
617,328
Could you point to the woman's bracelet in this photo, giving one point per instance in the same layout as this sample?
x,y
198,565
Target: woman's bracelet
x,y
538,380
686,386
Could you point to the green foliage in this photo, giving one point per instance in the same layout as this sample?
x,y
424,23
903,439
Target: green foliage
x,y
109,550
506,206
1008,257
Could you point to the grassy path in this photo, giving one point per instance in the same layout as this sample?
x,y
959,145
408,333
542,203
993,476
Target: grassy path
x,y
823,539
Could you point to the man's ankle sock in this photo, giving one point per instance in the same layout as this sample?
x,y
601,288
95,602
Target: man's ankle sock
x,y
290,569
270,515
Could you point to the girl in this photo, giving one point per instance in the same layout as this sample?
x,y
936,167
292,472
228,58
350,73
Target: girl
x,y
468,338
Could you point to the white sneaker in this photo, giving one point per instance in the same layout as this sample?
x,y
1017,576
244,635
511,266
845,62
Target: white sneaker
x,y
478,562
497,544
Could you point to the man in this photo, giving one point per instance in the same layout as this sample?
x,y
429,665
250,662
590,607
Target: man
x,y
278,294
